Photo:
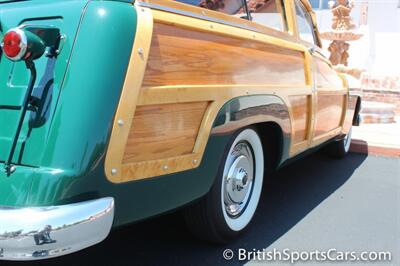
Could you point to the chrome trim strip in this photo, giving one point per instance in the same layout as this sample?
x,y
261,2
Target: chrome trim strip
x,y
34,233
194,15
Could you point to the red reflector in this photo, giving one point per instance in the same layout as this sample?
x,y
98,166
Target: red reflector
x,y
12,44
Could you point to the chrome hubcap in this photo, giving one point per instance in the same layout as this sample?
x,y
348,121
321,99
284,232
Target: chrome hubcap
x,y
238,179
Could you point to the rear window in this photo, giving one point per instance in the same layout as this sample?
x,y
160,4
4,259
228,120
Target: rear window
x,y
269,13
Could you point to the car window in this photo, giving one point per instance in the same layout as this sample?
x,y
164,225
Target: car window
x,y
320,4
269,13
231,7
304,23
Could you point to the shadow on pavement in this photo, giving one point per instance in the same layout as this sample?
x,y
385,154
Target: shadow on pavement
x,y
296,190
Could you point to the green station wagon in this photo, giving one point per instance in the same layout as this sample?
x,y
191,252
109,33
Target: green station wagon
x,y
112,112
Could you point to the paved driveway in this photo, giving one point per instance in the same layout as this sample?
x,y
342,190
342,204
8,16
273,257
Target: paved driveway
x,y
314,203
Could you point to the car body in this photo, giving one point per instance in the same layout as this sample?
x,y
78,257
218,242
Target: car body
x,y
134,105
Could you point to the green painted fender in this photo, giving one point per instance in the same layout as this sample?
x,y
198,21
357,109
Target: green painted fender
x,y
249,110
78,131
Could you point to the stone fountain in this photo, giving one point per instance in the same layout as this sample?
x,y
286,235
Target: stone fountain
x,y
344,31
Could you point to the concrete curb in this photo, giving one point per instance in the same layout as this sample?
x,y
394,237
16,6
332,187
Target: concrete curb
x,y
361,146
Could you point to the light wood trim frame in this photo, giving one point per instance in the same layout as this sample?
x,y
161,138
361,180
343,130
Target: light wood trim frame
x,y
130,92
297,148
291,18
280,6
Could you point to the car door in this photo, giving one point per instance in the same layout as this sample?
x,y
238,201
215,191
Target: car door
x,y
329,92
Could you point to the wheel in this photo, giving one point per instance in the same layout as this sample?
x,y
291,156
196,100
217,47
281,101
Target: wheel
x,y
340,148
229,206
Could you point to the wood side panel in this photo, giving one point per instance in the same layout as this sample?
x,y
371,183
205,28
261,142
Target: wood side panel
x,y
180,56
331,100
300,106
326,77
329,112
222,62
163,131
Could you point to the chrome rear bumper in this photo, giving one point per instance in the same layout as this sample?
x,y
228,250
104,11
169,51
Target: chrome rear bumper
x,y
46,232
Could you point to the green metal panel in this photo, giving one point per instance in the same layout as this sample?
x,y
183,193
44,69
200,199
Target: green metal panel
x,y
245,111
14,77
67,150
87,104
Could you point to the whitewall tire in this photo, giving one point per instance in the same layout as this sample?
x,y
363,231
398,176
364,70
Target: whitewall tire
x,y
227,210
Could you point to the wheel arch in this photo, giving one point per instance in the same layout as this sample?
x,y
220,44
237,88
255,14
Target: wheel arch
x,y
268,114
272,139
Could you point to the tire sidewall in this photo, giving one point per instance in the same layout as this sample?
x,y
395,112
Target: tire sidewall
x,y
224,224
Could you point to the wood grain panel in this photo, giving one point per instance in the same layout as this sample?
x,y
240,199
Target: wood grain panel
x,y
301,107
164,131
180,56
329,112
326,76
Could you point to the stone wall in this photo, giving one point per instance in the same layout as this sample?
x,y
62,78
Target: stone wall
x,y
385,89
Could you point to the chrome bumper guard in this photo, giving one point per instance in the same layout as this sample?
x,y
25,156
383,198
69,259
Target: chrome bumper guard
x,y
46,232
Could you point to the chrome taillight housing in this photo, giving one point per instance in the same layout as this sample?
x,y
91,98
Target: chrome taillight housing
x,y
19,44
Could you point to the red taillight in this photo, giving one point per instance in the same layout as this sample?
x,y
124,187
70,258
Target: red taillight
x,y
14,44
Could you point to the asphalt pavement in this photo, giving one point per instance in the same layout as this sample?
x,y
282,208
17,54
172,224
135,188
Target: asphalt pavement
x,y
316,203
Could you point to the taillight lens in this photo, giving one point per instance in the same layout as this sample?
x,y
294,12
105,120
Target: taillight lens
x,y
14,44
